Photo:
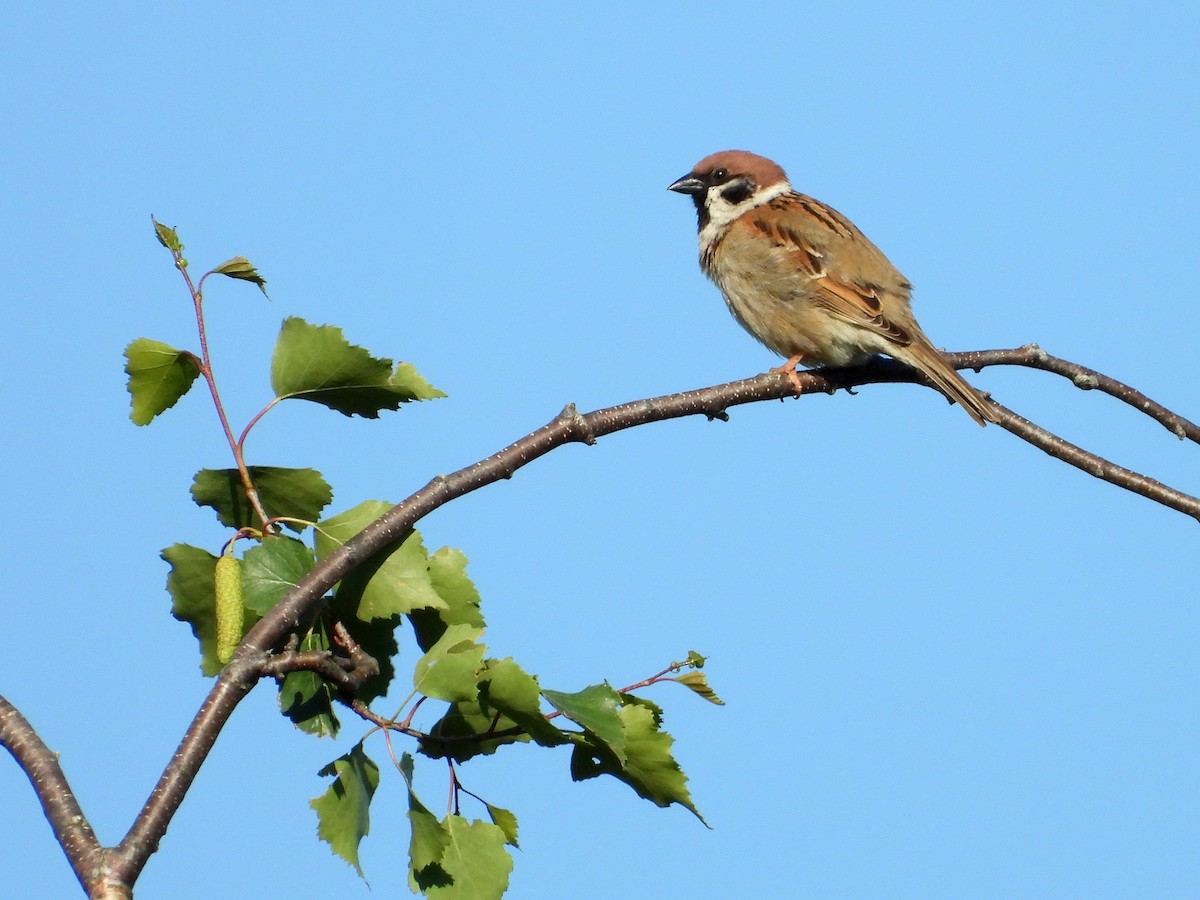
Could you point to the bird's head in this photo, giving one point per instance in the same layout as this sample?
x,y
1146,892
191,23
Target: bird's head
x,y
726,184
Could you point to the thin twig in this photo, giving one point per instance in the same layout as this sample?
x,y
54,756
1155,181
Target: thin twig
x,y
346,674
206,369
1098,465
447,741
362,663
1034,357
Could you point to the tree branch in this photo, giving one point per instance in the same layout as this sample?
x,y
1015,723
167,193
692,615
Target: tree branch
x,y
252,661
1034,357
347,675
234,683
40,764
1098,465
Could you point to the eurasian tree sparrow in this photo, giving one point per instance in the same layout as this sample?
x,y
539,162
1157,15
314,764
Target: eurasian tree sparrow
x,y
803,280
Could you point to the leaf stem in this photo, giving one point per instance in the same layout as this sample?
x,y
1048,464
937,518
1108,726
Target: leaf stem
x,y
258,415
452,800
235,445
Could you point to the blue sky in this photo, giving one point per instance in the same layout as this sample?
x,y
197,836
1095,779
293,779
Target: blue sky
x,y
953,666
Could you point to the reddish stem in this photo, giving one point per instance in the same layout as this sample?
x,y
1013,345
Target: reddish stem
x,y
206,370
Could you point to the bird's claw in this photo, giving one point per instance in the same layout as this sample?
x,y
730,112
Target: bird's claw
x,y
789,369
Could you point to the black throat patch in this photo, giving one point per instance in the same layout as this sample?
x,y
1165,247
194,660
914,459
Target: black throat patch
x,y
702,215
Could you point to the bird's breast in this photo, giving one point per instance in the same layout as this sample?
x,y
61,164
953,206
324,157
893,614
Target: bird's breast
x,y
778,304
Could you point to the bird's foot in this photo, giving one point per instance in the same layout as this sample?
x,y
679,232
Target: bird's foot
x,y
789,369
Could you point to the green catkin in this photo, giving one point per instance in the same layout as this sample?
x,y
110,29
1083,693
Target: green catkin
x,y
230,612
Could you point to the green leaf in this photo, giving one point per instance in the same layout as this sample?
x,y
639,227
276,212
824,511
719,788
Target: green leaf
x,y
469,720
448,574
475,861
506,822
406,381
239,267
271,569
158,376
392,582
513,691
429,838
343,811
315,362
596,708
648,767
295,493
457,859
305,697
698,683
166,236
450,670
191,585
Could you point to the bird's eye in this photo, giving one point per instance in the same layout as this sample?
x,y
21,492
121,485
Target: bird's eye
x,y
720,174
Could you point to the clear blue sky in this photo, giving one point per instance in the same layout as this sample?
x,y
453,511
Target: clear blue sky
x,y
953,667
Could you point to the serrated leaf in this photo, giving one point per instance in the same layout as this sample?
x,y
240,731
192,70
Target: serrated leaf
x,y
305,697
343,811
317,363
192,586
450,670
295,493
394,581
475,861
406,380
166,236
272,569
513,691
648,767
698,683
596,708
239,267
429,838
448,575
448,570
506,822
159,375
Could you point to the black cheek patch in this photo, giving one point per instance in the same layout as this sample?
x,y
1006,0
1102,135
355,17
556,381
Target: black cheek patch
x,y
737,192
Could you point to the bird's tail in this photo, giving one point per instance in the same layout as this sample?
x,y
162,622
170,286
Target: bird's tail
x,y
925,358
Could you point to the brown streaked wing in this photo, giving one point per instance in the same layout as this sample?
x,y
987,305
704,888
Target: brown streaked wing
x,y
859,305
851,301
804,254
828,217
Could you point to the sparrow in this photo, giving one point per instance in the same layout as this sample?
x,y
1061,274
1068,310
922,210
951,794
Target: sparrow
x,y
803,280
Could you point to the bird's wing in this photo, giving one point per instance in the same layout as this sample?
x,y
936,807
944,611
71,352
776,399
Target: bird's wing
x,y
788,223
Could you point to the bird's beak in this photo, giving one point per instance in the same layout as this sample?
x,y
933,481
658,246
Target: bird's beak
x,y
688,184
